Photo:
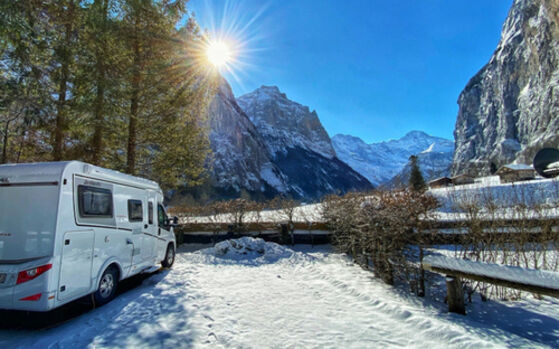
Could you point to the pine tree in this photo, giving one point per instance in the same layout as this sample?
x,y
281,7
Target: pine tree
x,y
101,81
113,82
99,24
63,30
416,182
25,98
169,96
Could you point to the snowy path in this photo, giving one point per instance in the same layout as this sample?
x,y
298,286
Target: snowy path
x,y
283,300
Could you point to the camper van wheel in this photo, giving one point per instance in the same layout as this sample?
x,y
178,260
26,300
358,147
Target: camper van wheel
x,y
169,257
107,286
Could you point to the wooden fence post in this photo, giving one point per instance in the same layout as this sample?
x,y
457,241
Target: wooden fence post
x,y
455,295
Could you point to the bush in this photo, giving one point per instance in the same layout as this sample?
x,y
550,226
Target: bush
x,y
511,227
379,228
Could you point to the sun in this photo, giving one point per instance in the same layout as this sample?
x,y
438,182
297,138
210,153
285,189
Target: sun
x,y
219,53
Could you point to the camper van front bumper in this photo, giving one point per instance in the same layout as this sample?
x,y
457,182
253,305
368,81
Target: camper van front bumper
x,y
32,295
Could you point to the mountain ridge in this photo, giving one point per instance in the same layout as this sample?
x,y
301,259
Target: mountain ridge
x,y
265,145
380,162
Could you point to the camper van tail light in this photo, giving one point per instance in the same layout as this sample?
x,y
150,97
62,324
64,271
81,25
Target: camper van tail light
x,y
30,274
34,297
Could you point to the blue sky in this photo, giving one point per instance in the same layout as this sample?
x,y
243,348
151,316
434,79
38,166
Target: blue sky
x,y
370,68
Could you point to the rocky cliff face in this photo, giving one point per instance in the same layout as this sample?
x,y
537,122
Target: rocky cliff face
x,y
240,159
285,124
381,162
281,148
299,145
508,111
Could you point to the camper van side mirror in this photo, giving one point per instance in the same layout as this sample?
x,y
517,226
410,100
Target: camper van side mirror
x,y
172,222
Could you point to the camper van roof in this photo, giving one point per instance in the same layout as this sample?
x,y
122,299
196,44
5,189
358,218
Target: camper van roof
x,y
53,171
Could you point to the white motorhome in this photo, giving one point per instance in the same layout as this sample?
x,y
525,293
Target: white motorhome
x,y
69,229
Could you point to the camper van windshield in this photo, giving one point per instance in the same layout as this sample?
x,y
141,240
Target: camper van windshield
x,y
27,221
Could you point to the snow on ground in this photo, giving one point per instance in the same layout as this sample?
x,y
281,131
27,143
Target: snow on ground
x,y
541,195
301,214
250,294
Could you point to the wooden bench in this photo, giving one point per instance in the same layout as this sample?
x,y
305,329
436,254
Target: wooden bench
x,y
530,280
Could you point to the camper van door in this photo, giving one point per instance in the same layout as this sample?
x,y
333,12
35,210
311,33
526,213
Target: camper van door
x,y
151,230
164,228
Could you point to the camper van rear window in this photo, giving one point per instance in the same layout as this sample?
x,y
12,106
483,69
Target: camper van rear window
x,y
95,202
135,211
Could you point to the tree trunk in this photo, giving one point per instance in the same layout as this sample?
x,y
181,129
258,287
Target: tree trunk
x,y
5,143
455,295
421,291
100,98
132,123
26,126
99,119
62,86
60,117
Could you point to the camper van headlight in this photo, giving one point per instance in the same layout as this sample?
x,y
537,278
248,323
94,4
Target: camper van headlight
x,y
30,274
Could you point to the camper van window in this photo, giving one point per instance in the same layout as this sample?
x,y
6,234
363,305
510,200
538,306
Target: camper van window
x,y
150,212
135,211
162,216
95,202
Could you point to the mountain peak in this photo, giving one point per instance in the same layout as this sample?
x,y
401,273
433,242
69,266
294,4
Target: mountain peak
x,y
340,138
416,134
284,123
272,88
268,91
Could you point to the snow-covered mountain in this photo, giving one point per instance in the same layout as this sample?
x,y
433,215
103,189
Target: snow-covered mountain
x,y
281,148
298,145
433,164
240,159
285,124
381,162
508,110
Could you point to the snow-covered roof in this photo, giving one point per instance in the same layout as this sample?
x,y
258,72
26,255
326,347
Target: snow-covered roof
x,y
440,179
463,175
518,167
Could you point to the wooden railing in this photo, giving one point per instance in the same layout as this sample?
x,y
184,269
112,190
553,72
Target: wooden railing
x,y
530,280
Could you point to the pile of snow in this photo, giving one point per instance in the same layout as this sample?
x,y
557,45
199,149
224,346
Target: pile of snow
x,y
251,251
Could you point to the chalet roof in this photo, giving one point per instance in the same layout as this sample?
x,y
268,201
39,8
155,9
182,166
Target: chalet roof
x,y
515,167
441,179
462,176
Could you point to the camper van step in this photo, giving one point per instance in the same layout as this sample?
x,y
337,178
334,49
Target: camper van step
x,y
151,269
